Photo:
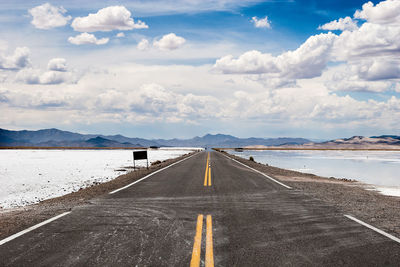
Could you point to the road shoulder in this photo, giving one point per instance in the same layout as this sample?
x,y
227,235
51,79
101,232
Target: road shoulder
x,y
348,196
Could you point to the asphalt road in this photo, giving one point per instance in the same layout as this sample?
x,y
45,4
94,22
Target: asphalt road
x,y
229,216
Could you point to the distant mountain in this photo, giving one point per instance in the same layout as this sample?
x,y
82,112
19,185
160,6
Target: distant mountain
x,y
222,140
357,142
103,142
361,140
58,138
35,137
122,139
387,136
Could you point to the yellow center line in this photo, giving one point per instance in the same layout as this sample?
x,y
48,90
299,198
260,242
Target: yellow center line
x,y
209,258
209,176
205,176
209,244
207,171
195,262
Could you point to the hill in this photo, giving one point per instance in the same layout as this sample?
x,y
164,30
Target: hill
x,y
359,142
58,138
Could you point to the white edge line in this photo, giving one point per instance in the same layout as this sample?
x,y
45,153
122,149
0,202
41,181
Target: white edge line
x,y
269,177
373,228
32,228
147,176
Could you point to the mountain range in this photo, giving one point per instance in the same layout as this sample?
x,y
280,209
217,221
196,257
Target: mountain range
x,y
359,142
58,138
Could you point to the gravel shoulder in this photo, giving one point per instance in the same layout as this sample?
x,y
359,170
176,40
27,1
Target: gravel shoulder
x,y
348,196
18,219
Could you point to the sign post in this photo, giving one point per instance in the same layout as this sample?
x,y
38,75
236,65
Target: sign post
x,y
138,155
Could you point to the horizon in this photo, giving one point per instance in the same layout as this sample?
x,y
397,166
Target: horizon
x,y
179,69
201,136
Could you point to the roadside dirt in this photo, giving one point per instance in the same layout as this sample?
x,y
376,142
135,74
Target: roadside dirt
x,y
348,196
18,219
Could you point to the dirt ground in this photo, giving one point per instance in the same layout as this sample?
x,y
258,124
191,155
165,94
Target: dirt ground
x,y
348,196
18,219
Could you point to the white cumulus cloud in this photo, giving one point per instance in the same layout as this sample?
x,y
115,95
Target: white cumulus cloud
x,y
169,42
47,16
120,35
370,52
57,64
87,38
307,61
378,69
343,24
107,19
261,23
385,12
18,60
143,45
155,102
370,40
56,73
251,62
36,76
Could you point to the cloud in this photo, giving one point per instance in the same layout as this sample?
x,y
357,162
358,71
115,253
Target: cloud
x,y
18,60
378,69
375,76
342,110
370,51
120,35
57,64
343,24
307,61
154,102
355,85
113,96
261,23
370,40
143,45
47,16
169,42
158,7
87,38
107,19
368,59
3,96
251,62
385,12
397,87
36,76
56,73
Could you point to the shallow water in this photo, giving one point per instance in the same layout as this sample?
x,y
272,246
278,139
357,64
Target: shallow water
x,y
380,168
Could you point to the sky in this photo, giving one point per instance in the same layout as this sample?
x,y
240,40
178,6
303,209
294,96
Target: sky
x,y
184,68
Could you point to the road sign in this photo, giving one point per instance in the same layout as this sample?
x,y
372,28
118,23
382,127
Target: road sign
x,y
138,155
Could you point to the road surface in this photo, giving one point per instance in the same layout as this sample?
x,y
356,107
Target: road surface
x,y
207,210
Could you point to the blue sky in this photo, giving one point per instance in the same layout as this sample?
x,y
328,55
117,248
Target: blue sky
x,y
162,69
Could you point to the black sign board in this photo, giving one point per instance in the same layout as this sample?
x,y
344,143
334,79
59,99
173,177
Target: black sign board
x,y
140,154
137,155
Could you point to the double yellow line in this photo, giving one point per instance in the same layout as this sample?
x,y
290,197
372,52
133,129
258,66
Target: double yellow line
x,y
207,175
195,262
196,253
